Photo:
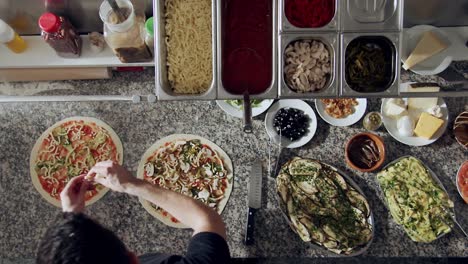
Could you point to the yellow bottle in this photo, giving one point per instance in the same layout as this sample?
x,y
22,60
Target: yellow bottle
x,y
11,39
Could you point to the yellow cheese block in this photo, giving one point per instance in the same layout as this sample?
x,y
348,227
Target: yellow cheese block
x,y
428,125
428,46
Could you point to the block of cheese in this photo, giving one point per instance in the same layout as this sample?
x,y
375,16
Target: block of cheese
x,y
422,103
423,88
428,125
429,45
394,110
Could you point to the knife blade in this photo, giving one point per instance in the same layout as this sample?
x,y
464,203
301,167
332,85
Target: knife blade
x,y
255,199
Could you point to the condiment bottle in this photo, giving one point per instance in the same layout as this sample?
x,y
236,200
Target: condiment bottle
x,y
149,38
11,39
60,34
126,38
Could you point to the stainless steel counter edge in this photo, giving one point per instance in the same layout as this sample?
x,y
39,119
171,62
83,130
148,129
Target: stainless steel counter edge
x,y
272,91
70,98
163,89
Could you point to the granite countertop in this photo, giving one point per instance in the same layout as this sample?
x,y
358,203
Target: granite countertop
x,y
25,215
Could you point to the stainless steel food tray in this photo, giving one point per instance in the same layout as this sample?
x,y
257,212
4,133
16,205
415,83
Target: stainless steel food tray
x,y
353,184
393,89
272,91
371,15
433,176
331,40
286,26
163,87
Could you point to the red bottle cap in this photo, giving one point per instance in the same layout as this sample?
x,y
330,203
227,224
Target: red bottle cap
x,y
49,22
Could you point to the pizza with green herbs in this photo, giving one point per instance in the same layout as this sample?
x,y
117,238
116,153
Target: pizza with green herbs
x,y
190,165
71,148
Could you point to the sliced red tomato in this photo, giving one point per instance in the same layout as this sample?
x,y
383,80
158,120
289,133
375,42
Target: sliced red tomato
x,y
95,153
174,220
87,130
462,180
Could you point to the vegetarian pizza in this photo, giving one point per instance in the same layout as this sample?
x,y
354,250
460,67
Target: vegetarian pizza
x,y
70,148
190,165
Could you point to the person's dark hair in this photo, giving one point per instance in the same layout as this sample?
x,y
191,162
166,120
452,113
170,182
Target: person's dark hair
x,y
75,238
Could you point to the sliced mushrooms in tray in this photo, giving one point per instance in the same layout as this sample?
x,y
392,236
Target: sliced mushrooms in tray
x,y
324,207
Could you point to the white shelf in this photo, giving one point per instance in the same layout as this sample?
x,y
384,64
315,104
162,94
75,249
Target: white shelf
x,y
40,55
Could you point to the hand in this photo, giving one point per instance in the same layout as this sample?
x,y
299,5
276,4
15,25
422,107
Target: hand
x,y
73,195
111,175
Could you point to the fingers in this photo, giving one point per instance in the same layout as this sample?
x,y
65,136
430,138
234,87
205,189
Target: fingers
x,y
73,184
84,187
95,171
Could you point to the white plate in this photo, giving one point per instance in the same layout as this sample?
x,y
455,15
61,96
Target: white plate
x,y
391,126
291,103
434,65
359,112
239,113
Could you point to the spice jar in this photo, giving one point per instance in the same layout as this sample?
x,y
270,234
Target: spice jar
x,y
126,38
11,39
60,34
149,38
372,121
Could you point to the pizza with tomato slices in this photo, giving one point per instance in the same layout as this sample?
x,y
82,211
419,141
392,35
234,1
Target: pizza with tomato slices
x,y
70,148
190,165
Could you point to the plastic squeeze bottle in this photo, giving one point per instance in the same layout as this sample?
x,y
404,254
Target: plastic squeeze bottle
x,y
11,39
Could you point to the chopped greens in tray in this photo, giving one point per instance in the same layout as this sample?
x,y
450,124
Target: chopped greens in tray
x,y
323,207
240,103
415,200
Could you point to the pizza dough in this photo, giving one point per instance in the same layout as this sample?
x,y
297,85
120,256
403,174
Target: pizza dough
x,y
35,153
179,138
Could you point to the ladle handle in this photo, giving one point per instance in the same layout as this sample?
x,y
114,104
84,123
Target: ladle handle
x,y
247,114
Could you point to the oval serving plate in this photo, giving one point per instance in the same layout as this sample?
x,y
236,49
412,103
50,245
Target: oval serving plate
x,y
349,181
436,180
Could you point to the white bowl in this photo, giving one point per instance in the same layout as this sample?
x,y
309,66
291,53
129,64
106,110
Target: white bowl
x,y
359,112
239,113
291,103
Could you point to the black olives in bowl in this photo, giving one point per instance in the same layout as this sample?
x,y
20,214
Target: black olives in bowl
x,y
291,123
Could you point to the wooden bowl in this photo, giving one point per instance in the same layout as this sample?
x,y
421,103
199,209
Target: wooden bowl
x,y
380,146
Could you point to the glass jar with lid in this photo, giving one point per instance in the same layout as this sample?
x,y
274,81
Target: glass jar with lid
x,y
126,38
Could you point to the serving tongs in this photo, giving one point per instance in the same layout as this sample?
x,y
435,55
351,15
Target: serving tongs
x,y
454,219
247,113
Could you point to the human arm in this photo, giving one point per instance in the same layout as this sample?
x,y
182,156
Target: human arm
x,y
187,210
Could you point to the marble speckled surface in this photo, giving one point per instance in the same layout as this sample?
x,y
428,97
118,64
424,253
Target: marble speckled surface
x,y
25,215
